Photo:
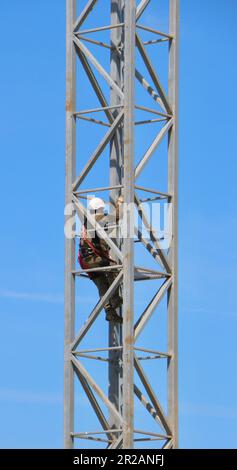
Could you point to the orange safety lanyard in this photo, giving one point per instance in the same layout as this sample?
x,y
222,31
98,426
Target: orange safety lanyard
x,y
91,245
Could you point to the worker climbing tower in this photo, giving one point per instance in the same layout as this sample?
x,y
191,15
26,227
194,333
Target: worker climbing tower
x,y
121,139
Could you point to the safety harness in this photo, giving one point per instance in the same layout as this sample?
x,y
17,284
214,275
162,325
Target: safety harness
x,y
98,252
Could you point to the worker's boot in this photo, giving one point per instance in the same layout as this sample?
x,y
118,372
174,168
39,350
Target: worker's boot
x,y
112,316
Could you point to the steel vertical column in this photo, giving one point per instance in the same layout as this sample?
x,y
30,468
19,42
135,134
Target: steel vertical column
x,y
115,336
128,246
173,252
69,243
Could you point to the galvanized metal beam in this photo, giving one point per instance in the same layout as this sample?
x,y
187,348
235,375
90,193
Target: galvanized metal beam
x,y
115,372
153,111
152,234
153,252
143,319
84,14
69,244
173,252
141,8
128,245
155,434
91,438
98,66
155,31
117,444
158,139
166,355
154,191
168,444
150,409
114,267
153,74
154,41
93,41
94,121
145,121
102,28
150,90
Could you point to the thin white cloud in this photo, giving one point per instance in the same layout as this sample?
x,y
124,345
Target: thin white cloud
x,y
208,311
30,397
41,297
208,410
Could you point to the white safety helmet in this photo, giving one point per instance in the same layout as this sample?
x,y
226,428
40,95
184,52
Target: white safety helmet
x,y
96,203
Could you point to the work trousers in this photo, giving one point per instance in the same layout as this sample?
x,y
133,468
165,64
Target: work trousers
x,y
103,282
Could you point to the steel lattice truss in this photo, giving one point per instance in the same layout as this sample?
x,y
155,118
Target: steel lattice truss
x,y
117,430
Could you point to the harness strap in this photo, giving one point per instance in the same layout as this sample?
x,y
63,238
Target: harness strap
x,y
92,246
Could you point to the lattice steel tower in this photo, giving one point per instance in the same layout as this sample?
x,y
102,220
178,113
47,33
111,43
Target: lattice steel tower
x,y
118,61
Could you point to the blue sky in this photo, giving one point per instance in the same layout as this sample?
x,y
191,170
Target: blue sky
x,y
32,257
